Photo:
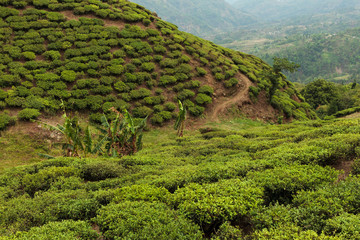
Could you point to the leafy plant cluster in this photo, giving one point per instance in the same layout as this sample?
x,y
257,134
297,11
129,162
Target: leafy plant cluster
x,y
331,99
254,181
122,57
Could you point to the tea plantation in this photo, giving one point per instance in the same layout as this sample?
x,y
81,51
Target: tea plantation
x,y
93,55
235,180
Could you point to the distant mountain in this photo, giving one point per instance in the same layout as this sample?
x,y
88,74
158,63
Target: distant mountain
x,y
200,17
277,10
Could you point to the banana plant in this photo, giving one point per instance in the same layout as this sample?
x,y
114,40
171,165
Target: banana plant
x,y
180,121
72,132
122,136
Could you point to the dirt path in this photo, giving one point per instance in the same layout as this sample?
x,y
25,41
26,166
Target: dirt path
x,y
240,96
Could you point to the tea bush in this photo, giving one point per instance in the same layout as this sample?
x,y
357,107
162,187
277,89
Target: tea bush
x,y
144,220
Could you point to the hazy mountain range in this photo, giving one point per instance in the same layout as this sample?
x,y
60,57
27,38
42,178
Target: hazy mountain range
x,y
277,10
200,17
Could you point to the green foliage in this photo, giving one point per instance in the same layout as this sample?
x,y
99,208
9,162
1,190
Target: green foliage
x,y
211,205
203,99
319,92
206,89
144,220
28,114
68,229
6,120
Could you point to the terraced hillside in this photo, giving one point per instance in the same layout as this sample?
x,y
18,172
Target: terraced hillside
x,y
94,55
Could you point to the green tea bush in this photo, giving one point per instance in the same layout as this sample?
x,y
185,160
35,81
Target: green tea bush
x,y
281,184
22,213
9,80
185,94
201,71
231,82
6,120
140,93
157,119
143,192
290,231
355,167
170,106
28,114
42,180
144,220
196,110
29,55
346,226
68,75
167,80
211,205
203,99
142,111
101,170
67,229
206,89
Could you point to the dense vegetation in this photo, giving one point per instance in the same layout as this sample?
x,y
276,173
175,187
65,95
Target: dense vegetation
x,y
117,55
330,56
251,181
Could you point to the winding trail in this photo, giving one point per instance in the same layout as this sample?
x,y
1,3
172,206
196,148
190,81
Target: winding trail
x,y
240,96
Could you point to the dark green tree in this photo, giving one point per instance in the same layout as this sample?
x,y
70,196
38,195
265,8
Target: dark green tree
x,y
320,92
274,74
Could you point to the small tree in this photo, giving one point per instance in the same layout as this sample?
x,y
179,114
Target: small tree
x,y
180,121
274,73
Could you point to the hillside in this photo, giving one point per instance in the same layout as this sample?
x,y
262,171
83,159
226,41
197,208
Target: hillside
x,y
238,180
330,56
92,57
333,57
201,17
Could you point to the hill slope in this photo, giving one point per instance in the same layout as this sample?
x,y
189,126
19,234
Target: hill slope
x,y
201,17
96,56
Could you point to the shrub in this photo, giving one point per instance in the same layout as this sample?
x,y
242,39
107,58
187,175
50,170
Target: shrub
x,y
6,120
211,205
231,82
219,77
140,93
185,94
9,80
101,170
167,80
68,75
281,184
120,86
355,167
148,67
156,119
68,229
196,110
144,220
206,89
170,106
29,55
142,111
203,99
